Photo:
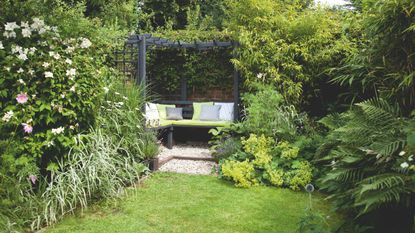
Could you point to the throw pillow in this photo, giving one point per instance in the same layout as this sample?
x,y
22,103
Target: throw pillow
x,y
210,113
151,112
162,110
226,111
197,108
174,113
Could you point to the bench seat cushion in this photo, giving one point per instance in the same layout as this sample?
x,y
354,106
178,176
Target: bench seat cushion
x,y
202,123
195,123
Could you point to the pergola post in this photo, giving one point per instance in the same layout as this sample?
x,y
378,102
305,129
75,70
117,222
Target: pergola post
x,y
236,85
183,88
142,61
236,97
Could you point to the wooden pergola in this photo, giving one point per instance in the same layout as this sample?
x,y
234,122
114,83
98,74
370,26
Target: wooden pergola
x,y
145,41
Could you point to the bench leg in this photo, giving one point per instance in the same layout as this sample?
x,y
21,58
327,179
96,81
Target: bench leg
x,y
170,138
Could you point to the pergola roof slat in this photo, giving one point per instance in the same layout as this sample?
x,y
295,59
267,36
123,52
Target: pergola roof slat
x,y
162,42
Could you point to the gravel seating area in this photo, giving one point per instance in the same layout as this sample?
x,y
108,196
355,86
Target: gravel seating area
x,y
200,167
201,151
188,167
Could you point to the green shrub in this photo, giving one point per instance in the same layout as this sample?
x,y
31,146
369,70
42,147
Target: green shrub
x,y
267,113
226,148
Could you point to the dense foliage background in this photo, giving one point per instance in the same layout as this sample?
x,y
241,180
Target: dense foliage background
x,y
328,98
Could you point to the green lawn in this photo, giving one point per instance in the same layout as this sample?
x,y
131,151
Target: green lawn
x,y
187,203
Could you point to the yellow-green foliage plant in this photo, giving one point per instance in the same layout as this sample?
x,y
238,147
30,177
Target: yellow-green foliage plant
x,y
242,173
288,151
276,177
260,148
300,176
264,162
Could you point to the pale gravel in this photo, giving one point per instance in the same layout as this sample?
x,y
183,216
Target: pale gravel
x,y
188,167
185,151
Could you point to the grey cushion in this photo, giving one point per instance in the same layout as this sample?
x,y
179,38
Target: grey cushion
x,y
210,113
174,113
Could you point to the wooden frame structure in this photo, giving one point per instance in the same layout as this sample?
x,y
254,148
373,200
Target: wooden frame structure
x,y
145,41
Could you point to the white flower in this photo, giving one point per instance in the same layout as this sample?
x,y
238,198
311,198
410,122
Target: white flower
x,y
1,45
120,103
31,72
85,43
24,24
125,97
37,24
411,158
71,73
11,34
69,61
21,81
10,26
19,71
26,32
45,64
57,56
7,116
106,89
50,143
70,49
117,93
72,88
402,153
51,53
71,127
58,130
32,50
404,165
260,75
63,97
48,74
22,56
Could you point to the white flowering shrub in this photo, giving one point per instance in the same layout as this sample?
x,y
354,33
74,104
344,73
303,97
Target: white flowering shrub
x,y
49,88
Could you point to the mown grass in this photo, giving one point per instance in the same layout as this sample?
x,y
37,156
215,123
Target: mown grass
x,y
169,202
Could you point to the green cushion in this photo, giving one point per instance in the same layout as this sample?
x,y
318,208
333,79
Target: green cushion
x,y
197,107
202,123
162,110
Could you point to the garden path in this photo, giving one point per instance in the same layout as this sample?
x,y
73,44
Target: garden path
x,y
189,159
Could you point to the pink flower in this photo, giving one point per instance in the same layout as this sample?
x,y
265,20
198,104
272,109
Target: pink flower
x,y
22,98
27,128
33,179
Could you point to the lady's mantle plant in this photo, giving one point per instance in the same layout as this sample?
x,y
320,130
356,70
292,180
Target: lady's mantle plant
x,y
48,91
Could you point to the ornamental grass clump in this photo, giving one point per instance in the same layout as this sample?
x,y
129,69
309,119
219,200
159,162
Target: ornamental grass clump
x,y
93,170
